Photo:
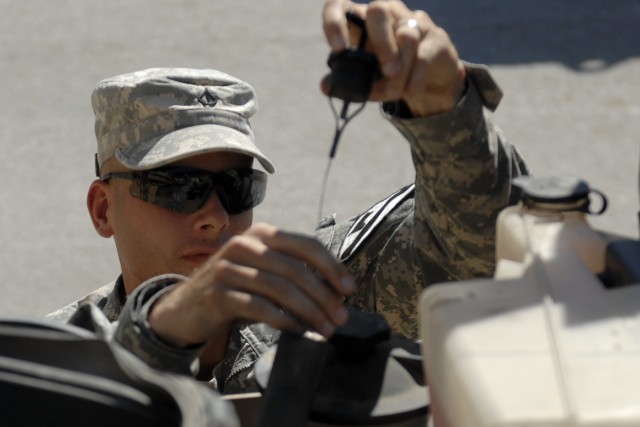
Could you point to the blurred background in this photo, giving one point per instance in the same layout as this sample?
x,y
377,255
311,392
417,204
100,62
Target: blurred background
x,y
569,71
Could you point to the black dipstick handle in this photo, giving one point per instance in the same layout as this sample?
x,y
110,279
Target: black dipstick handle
x,y
353,70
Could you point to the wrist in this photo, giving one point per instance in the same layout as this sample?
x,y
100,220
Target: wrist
x,y
135,334
166,323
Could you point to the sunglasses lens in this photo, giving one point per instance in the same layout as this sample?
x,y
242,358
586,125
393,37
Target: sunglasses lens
x,y
241,190
187,190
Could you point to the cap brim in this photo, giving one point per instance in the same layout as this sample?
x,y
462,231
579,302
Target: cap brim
x,y
187,142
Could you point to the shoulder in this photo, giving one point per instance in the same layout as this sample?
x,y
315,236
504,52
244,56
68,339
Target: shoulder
x,y
97,297
346,238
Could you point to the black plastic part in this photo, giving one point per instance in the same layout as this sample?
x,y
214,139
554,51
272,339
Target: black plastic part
x,y
353,70
352,75
559,193
552,189
60,375
359,338
293,382
622,264
351,385
347,380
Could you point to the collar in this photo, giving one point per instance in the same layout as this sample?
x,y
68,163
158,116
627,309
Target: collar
x,y
115,301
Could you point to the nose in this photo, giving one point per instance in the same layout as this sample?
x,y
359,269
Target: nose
x,y
212,216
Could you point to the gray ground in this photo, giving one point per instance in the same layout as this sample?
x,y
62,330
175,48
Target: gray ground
x,y
569,70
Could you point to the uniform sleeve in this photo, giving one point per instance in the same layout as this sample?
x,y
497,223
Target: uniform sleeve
x,y
99,297
134,333
464,168
445,229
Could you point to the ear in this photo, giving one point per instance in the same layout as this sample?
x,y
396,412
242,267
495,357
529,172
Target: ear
x,y
98,199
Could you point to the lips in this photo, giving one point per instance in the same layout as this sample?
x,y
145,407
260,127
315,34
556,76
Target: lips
x,y
199,255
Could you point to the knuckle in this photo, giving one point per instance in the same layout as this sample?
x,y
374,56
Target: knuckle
x,y
439,33
300,274
262,229
421,16
225,266
238,243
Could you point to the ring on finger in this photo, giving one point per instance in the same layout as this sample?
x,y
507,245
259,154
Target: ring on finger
x,y
411,23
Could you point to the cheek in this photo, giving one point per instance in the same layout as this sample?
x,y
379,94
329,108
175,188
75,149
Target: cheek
x,y
147,241
142,227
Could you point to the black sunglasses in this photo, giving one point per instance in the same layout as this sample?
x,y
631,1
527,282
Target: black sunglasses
x,y
185,190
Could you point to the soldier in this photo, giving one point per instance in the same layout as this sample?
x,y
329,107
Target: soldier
x,y
176,190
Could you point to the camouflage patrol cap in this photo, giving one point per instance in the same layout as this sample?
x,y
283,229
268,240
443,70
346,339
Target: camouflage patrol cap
x,y
156,116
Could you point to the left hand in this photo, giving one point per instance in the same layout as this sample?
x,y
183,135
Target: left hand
x,y
419,63
265,274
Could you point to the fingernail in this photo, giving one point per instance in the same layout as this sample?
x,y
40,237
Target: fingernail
x,y
327,329
348,285
341,316
337,42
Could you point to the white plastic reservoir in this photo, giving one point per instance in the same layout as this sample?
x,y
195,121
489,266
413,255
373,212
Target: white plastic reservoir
x,y
545,343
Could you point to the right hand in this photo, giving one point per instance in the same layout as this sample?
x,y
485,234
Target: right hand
x,y
287,280
420,64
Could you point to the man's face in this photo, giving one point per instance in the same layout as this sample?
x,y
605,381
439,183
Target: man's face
x,y
151,240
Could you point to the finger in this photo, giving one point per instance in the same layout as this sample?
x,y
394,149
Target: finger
x,y
416,80
227,291
289,284
258,309
310,251
408,40
287,296
425,68
334,24
382,40
249,263
438,76
324,84
416,35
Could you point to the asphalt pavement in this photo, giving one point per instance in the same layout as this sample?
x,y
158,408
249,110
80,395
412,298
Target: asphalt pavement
x,y
569,71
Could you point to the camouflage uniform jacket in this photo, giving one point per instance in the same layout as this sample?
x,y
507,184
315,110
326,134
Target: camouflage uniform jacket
x,y
440,228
